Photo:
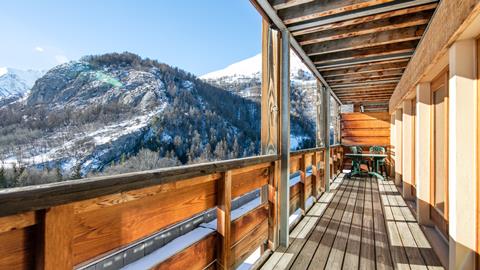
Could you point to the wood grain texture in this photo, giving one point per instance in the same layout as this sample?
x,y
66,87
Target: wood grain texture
x,y
195,257
17,249
18,221
58,238
366,128
249,244
224,220
107,228
248,181
244,224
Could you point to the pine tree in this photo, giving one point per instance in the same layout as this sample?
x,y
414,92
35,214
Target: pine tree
x,y
3,178
58,172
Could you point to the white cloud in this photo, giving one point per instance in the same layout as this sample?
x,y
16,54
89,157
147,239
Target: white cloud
x,y
39,49
61,59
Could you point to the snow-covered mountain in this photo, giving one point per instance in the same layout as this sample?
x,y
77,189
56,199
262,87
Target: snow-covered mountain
x,y
252,67
15,83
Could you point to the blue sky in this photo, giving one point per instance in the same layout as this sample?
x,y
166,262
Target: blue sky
x,y
196,35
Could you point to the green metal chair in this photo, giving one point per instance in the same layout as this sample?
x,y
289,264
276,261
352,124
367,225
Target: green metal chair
x,y
381,164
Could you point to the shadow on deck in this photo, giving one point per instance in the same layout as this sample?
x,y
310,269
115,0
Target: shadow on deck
x,y
362,223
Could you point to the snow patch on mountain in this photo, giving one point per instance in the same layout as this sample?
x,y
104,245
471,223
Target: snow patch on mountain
x,y
16,83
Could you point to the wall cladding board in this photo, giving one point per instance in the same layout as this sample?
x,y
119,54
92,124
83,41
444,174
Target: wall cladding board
x,y
366,128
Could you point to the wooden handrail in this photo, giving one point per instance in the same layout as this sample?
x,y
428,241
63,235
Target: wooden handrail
x,y
21,199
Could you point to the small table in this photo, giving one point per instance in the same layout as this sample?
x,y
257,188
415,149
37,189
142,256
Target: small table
x,y
358,157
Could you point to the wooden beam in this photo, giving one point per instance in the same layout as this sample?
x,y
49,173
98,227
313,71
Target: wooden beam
x,y
368,69
366,90
366,41
360,95
58,238
318,9
367,79
356,55
408,150
403,61
224,220
365,19
358,14
451,18
368,59
281,4
378,82
366,75
369,27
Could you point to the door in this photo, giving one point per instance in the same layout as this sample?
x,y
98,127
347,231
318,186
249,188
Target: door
x,y
439,181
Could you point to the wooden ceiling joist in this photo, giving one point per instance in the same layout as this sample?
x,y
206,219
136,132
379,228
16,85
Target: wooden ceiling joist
x,y
365,84
366,19
359,80
381,58
317,9
364,54
371,74
366,66
370,69
281,4
392,6
389,24
366,41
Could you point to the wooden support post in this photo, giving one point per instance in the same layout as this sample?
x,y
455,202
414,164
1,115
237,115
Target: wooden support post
x,y
326,128
319,116
270,127
398,147
407,150
224,222
391,156
303,190
58,238
285,139
423,156
462,154
315,175
273,207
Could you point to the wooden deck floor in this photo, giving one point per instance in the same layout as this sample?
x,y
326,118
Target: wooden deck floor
x,y
361,223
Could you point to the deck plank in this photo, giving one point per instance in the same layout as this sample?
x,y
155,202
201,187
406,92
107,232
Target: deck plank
x,y
335,260
352,255
382,249
320,257
363,223
367,250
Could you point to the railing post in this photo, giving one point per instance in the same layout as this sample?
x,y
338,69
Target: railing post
x,y
285,139
224,221
303,190
273,205
57,250
326,128
315,175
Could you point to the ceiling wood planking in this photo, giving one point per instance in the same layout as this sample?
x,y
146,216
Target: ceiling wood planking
x,y
365,19
366,41
393,23
318,9
359,80
392,67
366,66
370,74
379,58
281,4
363,54
360,48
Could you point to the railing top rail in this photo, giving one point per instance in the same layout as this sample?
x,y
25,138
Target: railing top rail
x,y
306,151
21,199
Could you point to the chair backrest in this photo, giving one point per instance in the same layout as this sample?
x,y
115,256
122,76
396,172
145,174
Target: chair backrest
x,y
377,149
356,149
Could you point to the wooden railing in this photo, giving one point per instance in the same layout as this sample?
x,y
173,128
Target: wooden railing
x,y
63,225
70,224
310,165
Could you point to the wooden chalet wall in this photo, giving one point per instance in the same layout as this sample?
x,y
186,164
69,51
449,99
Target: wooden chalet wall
x,y
372,128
